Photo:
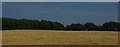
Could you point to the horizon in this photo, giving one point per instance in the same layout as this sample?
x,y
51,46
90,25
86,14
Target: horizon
x,y
63,12
59,22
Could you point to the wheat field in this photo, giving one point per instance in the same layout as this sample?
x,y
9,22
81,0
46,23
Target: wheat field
x,y
55,37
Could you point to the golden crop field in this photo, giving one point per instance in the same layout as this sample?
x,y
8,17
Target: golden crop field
x,y
0,37
54,37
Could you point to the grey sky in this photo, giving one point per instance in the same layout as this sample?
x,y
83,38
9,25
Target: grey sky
x,y
0,9
66,13
60,0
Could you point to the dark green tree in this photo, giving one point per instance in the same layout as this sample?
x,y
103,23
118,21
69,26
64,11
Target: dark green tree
x,y
57,26
89,26
9,23
111,26
99,28
74,27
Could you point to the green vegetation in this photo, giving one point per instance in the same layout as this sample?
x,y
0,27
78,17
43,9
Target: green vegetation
x,y
10,24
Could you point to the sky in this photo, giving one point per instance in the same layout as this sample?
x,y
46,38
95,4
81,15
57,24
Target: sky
x,y
0,9
63,12
60,0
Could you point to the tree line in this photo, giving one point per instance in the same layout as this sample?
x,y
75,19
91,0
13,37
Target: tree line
x,y
11,24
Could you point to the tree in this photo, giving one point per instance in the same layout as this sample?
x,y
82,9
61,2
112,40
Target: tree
x,y
99,28
89,26
45,24
24,24
0,23
51,25
36,24
8,23
57,26
118,27
111,26
74,27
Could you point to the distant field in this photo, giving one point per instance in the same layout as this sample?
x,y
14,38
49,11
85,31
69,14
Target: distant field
x,y
54,37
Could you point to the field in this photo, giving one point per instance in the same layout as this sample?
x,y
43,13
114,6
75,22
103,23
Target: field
x,y
0,37
54,37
